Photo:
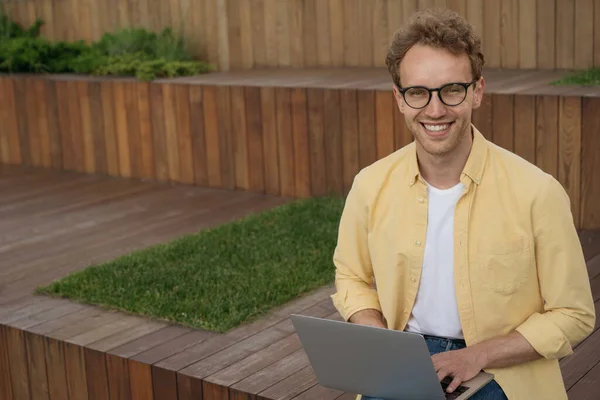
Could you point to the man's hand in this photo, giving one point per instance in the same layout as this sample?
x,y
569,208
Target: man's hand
x,y
500,352
369,317
462,365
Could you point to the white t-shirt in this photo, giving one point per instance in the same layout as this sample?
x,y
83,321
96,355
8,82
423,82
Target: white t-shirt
x,y
435,311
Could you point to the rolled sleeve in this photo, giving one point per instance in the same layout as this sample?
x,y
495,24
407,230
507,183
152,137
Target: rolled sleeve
x,y
354,271
569,314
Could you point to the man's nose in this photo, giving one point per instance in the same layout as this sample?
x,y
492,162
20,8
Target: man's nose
x,y
435,108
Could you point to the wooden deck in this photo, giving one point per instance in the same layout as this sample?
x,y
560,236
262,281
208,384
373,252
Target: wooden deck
x,y
52,223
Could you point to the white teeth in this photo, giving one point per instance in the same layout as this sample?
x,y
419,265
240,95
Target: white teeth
x,y
436,128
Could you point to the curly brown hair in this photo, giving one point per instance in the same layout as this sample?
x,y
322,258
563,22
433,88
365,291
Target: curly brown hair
x,y
444,29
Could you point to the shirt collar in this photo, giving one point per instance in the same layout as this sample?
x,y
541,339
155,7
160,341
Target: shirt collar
x,y
475,162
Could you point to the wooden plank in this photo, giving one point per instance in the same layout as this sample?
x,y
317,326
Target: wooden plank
x,y
590,164
189,388
546,36
23,131
588,388
46,125
256,163
159,139
525,127
351,33
503,121
584,34
140,381
117,374
36,365
301,142
482,117
164,383
234,34
75,371
509,33
285,139
337,32
323,34
110,132
5,373
269,140
316,144
87,135
76,137
565,33
145,130
365,32
254,366
183,133
121,128
527,39
546,134
309,33
295,22
211,131
292,385
97,128
199,151
150,340
380,32
367,139
246,33
270,29
350,140
4,129
171,134
240,142
97,378
283,34
17,355
596,33
55,363
384,121
226,138
492,33
569,149
31,112
332,124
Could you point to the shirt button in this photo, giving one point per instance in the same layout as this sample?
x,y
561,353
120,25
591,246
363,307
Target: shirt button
x,y
421,200
418,242
413,280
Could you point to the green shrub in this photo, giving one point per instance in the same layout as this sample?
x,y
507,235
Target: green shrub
x,y
127,52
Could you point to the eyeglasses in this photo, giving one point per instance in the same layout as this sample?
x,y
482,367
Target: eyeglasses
x,y
451,94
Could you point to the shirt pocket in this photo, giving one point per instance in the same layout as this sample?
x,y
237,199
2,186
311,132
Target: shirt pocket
x,y
503,266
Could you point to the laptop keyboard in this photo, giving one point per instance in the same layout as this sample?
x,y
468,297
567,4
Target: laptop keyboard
x,y
457,392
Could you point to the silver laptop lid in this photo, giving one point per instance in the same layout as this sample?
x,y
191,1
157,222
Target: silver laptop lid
x,y
371,361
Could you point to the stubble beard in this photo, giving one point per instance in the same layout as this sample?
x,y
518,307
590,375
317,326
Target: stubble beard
x,y
440,148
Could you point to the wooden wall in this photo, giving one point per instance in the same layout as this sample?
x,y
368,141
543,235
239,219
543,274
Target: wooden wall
x,y
242,34
282,141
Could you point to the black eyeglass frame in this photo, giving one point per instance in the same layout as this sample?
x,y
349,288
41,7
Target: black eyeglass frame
x,y
439,89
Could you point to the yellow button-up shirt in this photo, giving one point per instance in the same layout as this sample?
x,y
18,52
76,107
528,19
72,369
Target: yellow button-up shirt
x,y
518,262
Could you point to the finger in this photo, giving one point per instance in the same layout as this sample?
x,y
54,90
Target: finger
x,y
442,373
454,384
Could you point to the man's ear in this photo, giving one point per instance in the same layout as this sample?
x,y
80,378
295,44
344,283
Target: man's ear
x,y
399,99
478,92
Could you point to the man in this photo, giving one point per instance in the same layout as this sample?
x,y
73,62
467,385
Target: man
x,y
468,244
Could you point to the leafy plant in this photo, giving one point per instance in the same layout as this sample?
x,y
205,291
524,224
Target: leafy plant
x,y
127,52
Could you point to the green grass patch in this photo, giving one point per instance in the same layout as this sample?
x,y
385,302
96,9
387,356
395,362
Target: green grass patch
x,y
590,77
219,278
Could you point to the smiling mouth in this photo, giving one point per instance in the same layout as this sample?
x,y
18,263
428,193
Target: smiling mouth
x,y
437,129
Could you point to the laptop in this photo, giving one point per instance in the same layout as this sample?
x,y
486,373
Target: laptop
x,y
376,362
